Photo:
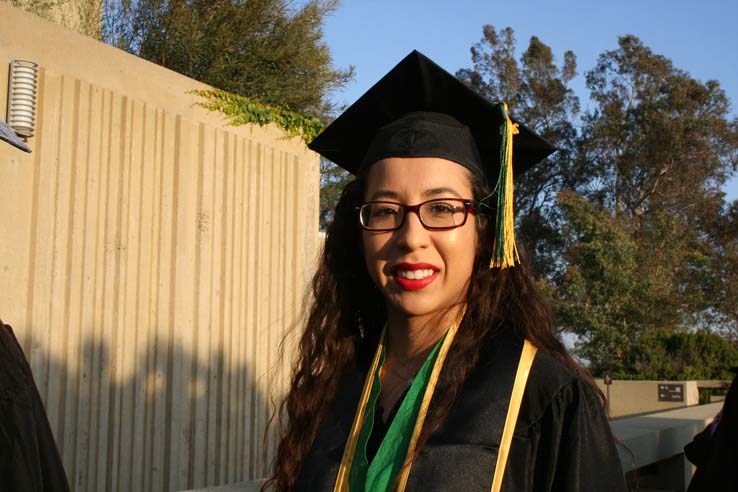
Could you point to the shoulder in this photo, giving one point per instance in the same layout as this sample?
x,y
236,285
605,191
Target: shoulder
x,y
15,374
548,375
556,392
552,386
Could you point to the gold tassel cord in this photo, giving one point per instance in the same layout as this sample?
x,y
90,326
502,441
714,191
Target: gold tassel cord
x,y
505,250
513,410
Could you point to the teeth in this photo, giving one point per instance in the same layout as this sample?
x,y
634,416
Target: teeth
x,y
415,274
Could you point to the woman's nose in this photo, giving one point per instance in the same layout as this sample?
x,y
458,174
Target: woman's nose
x,y
412,234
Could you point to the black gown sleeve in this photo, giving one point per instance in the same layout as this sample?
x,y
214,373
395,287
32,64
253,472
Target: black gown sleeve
x,y
29,459
570,448
698,450
716,454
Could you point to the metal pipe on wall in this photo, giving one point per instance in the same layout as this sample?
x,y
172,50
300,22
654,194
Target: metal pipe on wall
x,y
22,89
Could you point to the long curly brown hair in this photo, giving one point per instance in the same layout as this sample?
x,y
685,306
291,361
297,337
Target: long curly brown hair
x,y
342,294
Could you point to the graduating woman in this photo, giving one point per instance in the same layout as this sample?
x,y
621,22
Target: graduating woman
x,y
429,360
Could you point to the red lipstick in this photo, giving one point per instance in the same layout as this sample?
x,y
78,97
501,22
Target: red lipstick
x,y
413,284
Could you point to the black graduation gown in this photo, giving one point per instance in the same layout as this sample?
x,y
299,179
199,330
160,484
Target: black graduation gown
x,y
716,455
29,459
562,440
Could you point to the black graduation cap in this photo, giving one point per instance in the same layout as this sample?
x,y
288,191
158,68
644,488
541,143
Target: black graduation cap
x,y
420,110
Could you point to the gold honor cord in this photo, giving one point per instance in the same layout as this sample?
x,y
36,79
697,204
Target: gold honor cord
x,y
516,398
342,481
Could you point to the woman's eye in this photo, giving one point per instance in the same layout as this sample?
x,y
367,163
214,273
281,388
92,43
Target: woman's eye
x,y
383,212
442,208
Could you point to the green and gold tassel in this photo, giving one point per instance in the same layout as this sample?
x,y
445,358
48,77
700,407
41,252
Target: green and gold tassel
x,y
505,251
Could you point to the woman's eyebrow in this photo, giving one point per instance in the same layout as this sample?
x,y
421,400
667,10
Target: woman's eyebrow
x,y
431,192
442,191
383,194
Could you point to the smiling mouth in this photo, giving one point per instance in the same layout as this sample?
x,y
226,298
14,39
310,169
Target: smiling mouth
x,y
415,274
414,277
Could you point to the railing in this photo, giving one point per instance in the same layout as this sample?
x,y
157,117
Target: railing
x,y
652,446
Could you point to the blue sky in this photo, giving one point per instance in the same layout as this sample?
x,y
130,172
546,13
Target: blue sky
x,y
701,38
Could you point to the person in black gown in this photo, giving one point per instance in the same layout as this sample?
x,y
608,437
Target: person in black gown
x,y
715,450
29,459
429,361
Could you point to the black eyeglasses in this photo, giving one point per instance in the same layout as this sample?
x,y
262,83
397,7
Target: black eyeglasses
x,y
436,215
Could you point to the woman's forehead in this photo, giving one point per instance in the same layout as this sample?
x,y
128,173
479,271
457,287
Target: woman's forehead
x,y
422,175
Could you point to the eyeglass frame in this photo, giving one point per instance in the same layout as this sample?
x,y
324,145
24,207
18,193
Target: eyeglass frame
x,y
468,208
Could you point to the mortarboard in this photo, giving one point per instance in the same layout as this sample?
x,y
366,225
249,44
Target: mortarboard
x,y
420,110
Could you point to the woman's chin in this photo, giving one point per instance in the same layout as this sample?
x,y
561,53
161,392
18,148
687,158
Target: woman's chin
x,y
417,307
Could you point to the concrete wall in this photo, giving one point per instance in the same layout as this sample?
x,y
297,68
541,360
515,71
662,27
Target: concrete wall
x,y
151,259
636,397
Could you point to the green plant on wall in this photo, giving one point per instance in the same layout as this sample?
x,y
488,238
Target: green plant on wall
x,y
241,110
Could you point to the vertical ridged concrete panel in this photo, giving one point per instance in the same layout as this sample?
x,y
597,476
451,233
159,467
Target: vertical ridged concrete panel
x,y
151,261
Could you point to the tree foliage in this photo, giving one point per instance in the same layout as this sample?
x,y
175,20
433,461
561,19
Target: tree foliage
x,y
601,293
657,138
659,145
333,180
261,49
723,281
612,295
679,355
631,233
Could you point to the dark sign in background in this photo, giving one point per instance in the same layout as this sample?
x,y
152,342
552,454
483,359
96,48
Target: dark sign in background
x,y
671,392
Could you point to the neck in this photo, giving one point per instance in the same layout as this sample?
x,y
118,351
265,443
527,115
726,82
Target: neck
x,y
412,336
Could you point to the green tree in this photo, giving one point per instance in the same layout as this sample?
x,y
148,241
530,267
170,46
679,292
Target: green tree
x,y
537,92
657,139
660,145
680,355
262,49
622,309
333,179
601,297
640,239
723,285
650,241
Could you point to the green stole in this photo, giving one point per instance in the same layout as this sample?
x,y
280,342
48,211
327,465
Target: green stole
x,y
380,474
